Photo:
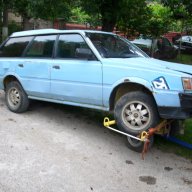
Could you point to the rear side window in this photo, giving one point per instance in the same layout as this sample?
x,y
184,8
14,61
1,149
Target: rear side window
x,y
14,47
42,46
68,45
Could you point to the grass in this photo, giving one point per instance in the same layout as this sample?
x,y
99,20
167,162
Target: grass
x,y
183,58
187,137
168,146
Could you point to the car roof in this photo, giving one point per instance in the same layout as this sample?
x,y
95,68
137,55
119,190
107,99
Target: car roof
x,y
52,31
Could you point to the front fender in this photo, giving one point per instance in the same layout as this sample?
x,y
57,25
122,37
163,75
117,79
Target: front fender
x,y
109,89
136,80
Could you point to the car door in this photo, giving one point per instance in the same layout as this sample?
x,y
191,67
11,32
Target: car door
x,y
34,68
74,77
10,54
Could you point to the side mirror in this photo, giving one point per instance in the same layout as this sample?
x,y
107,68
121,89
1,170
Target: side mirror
x,y
84,53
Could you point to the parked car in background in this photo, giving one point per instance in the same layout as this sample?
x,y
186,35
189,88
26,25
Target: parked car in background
x,y
163,48
96,70
186,44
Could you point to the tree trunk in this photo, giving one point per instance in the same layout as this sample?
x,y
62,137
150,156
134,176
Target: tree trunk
x,y
109,12
153,46
108,25
5,24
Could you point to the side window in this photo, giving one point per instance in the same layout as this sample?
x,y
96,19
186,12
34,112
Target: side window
x,y
14,47
42,46
72,46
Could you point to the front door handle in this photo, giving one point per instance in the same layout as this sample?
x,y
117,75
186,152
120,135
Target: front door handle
x,y
20,65
56,67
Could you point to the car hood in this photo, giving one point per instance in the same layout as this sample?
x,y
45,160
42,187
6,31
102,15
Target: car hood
x,y
176,66
150,63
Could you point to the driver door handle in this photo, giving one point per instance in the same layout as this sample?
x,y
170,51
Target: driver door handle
x,y
56,67
20,65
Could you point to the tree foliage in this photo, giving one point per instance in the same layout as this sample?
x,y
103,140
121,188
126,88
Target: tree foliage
x,y
107,10
182,12
159,20
45,9
130,16
79,16
124,13
133,18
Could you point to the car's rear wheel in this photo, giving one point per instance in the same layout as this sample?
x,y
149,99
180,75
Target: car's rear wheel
x,y
16,99
135,112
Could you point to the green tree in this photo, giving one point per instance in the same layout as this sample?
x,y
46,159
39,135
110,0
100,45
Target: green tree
x,y
159,20
79,16
112,12
44,9
52,9
182,12
107,9
133,18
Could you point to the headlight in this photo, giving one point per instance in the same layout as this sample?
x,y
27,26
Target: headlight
x,y
187,83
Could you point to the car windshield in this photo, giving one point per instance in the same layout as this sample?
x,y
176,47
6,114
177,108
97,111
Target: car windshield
x,y
114,46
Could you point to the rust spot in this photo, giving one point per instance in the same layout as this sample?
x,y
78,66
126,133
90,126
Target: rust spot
x,y
126,80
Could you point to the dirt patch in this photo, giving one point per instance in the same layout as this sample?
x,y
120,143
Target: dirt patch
x,y
185,168
10,119
129,162
148,179
168,168
187,181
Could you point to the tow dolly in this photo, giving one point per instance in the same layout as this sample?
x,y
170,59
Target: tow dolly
x,y
162,128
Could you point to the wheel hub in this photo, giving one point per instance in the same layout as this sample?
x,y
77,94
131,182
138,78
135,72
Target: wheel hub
x,y
136,115
14,97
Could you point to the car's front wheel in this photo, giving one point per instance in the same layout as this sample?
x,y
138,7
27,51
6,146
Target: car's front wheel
x,y
16,98
135,112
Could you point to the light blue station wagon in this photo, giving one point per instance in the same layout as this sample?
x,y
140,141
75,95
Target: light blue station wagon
x,y
96,70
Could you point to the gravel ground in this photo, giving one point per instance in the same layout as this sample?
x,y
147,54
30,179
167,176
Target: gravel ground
x,y
57,148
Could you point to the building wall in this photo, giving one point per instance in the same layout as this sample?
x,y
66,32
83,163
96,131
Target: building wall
x,y
13,17
33,23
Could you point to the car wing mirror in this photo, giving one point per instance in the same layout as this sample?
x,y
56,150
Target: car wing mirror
x,y
84,53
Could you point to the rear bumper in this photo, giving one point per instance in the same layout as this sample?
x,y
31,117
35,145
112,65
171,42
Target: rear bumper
x,y
182,112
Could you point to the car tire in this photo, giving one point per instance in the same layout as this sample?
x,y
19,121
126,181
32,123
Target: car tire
x,y
136,112
136,145
16,99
